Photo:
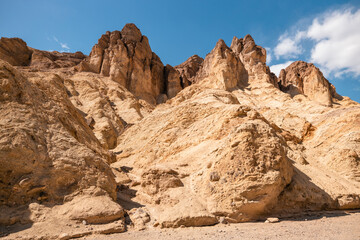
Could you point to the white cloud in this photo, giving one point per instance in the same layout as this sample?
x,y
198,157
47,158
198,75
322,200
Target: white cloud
x,y
337,36
289,46
277,68
335,39
64,46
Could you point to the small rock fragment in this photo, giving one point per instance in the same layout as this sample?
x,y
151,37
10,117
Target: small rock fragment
x,y
272,220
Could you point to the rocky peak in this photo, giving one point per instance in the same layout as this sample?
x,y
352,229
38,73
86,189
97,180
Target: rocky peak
x,y
304,78
222,69
131,33
126,57
248,51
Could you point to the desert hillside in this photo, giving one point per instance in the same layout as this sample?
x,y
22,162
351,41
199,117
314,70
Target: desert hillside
x,y
117,140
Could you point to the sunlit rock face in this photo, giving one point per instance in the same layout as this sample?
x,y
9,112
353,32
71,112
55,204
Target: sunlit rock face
x,y
116,140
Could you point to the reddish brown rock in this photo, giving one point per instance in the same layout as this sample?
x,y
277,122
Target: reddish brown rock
x,y
48,60
15,51
189,69
173,83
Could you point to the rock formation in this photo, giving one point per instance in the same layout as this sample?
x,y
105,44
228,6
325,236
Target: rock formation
x,y
116,140
189,69
15,51
127,58
304,78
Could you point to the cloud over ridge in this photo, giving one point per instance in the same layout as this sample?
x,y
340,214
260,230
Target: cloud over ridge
x,y
335,42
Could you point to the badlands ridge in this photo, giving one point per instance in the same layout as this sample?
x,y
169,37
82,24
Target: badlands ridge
x,y
116,140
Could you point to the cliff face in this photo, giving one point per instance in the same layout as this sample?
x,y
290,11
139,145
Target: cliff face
x,y
127,58
304,78
117,135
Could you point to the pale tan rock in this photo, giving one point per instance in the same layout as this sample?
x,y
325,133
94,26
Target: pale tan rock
x,y
253,58
304,78
92,210
203,129
222,69
231,146
272,220
47,151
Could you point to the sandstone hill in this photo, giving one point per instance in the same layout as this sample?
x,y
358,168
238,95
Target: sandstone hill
x,y
116,140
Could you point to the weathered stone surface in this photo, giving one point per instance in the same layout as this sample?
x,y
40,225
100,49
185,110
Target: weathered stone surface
x,y
304,78
222,69
230,147
47,150
107,106
15,51
49,60
189,69
253,58
173,81
224,142
92,210
127,58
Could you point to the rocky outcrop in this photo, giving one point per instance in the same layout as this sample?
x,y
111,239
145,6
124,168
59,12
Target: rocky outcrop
x,y
254,59
15,51
222,69
126,57
48,153
304,78
89,151
108,108
173,81
229,161
230,68
189,69
49,60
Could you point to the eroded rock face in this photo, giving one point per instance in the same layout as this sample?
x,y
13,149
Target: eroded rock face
x,y
234,164
48,153
107,107
173,81
49,60
90,147
127,58
304,78
15,51
254,59
222,69
189,69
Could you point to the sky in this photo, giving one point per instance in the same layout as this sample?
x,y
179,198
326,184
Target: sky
x,y
324,32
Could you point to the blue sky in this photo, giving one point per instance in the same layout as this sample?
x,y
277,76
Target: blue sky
x,y
326,32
